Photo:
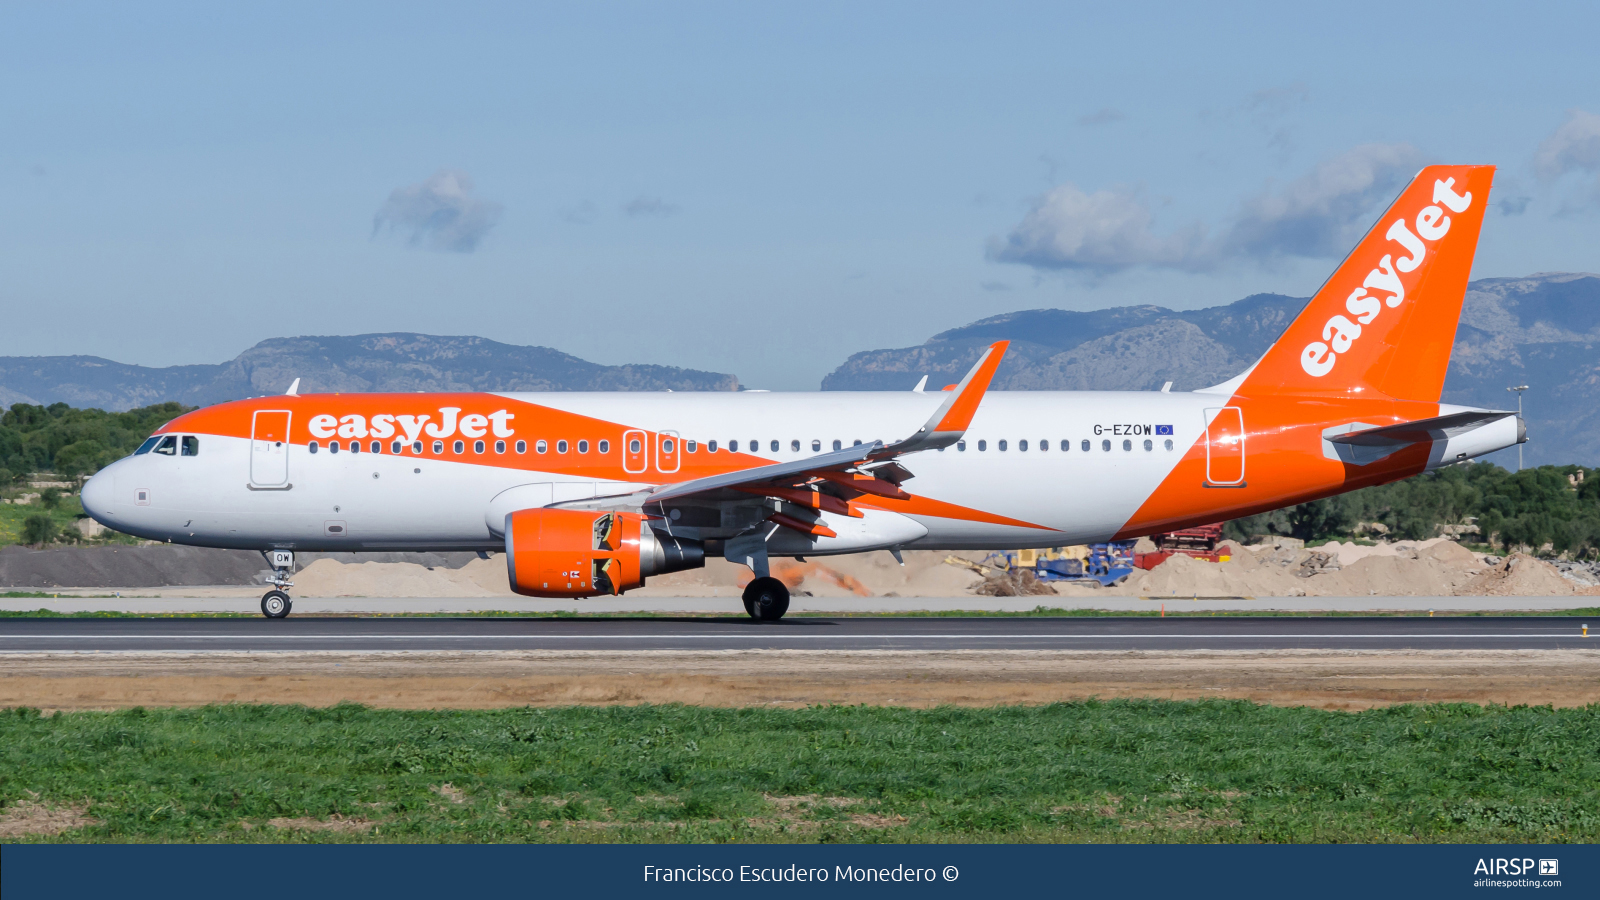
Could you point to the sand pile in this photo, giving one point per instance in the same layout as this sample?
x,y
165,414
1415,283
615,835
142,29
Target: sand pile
x,y
1435,568
329,578
857,575
1519,575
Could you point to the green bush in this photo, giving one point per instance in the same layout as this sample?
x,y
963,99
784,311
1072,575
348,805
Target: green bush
x,y
39,528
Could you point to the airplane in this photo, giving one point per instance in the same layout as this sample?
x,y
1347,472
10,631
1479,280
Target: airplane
x,y
591,494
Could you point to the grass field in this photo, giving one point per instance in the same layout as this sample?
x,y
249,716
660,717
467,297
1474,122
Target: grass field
x,y
1092,771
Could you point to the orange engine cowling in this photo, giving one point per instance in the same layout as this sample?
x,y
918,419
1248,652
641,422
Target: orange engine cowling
x,y
585,553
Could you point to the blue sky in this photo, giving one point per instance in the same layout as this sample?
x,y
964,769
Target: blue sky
x,y
760,189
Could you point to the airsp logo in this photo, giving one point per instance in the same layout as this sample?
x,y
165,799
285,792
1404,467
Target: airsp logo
x,y
1340,333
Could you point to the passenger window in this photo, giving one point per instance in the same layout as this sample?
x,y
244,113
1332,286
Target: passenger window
x,y
856,442
733,446
1127,445
605,447
755,446
313,447
816,446
355,446
522,446
416,446
561,446
191,445
983,445
1086,446
1002,446
633,446
1021,446
148,445
541,447
377,447
583,446
666,446
1065,446
499,446
962,446
168,446
711,446
838,445
438,446
477,446
1149,445
1169,443
794,446
1043,446
459,446
690,446
333,446
1106,446
395,448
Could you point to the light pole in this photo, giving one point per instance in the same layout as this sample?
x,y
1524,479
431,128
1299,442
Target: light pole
x,y
1518,391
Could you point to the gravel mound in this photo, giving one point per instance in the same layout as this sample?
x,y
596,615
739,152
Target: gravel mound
x,y
171,565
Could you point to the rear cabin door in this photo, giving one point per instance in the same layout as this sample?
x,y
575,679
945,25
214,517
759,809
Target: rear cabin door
x,y
269,448
1225,446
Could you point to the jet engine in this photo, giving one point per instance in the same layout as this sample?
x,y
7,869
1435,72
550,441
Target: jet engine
x,y
586,553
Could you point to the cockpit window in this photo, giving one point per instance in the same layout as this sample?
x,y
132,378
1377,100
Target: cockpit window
x,y
168,446
148,445
191,445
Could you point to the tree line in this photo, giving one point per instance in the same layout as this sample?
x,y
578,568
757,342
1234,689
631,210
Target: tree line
x,y
1554,506
72,442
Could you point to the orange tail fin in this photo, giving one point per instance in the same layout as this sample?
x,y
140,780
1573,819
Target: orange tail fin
x,y
1386,319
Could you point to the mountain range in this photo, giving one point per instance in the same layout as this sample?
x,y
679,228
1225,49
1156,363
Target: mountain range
x,y
1542,330
363,362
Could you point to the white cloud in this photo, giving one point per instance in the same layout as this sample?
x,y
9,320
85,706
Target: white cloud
x,y
439,213
1103,232
1572,147
1320,215
1323,213
649,206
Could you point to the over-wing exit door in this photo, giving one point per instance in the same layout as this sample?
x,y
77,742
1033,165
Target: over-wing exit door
x,y
667,451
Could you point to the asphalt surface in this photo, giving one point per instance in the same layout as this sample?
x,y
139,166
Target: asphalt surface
x,y
1177,633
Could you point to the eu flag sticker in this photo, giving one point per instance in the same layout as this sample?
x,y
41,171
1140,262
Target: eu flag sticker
x,y
1163,429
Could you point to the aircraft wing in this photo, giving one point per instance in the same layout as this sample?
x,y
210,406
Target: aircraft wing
x,y
1446,426
863,468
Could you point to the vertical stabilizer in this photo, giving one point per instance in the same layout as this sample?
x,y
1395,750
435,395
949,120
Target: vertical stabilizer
x,y
1385,321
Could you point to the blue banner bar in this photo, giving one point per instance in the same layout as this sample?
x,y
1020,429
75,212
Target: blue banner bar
x,y
57,872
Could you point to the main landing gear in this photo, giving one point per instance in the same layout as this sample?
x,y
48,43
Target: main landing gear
x,y
275,604
766,599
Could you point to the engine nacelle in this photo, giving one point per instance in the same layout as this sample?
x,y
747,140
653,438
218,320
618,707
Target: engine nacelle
x,y
584,553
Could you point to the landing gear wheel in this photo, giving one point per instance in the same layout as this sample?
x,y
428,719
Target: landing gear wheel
x,y
276,604
766,599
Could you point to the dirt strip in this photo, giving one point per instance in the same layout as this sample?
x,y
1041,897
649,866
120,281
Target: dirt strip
x,y
486,679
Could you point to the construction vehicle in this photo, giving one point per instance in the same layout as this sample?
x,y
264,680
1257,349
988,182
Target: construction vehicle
x,y
1107,563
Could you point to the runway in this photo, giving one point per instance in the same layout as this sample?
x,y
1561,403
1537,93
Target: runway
x,y
701,634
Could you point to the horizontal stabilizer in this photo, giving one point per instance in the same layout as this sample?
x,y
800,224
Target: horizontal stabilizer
x,y
1438,427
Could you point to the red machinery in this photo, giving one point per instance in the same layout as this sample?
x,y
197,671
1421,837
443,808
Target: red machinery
x,y
1199,542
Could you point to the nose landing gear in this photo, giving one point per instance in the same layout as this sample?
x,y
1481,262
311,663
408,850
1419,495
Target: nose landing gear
x,y
275,604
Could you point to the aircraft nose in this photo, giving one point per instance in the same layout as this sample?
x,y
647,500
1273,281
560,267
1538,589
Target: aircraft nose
x,y
98,494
